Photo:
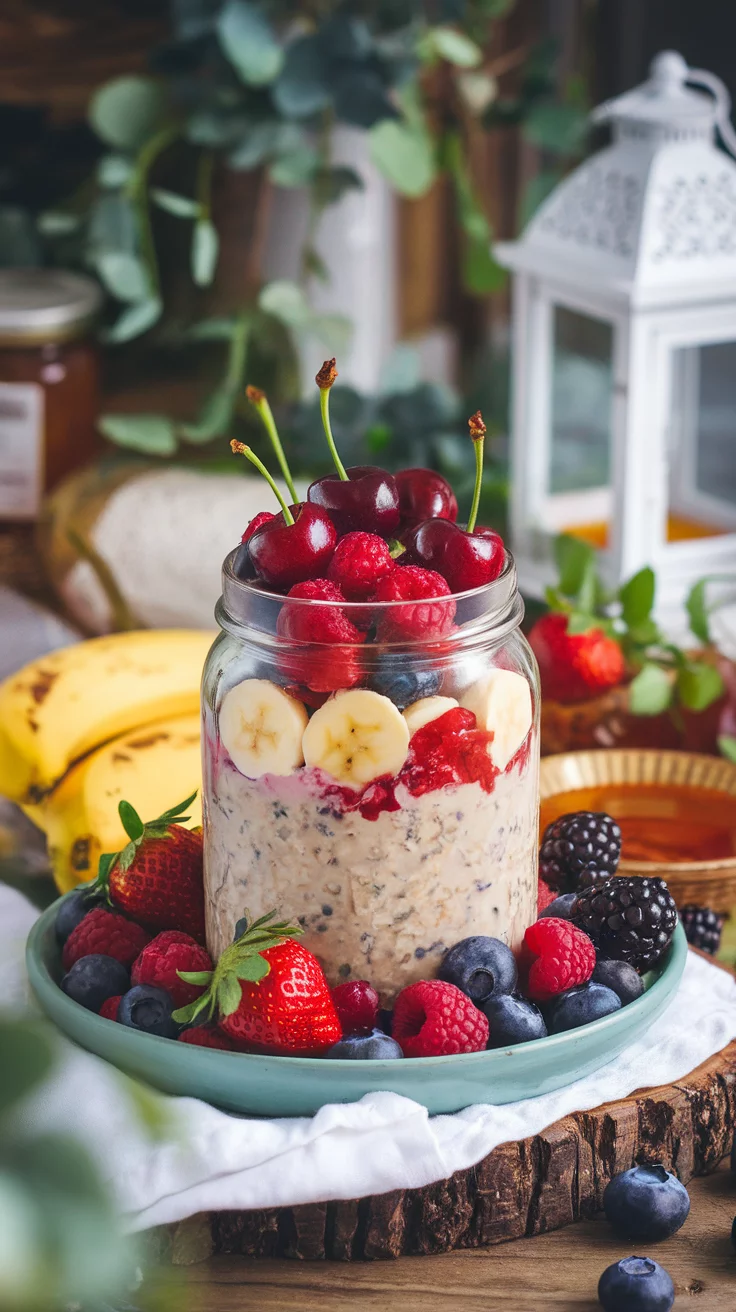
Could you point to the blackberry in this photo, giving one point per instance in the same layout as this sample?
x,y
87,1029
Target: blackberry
x,y
702,927
629,919
578,849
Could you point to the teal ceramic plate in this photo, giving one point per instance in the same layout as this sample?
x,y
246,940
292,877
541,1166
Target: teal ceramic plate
x,y
299,1086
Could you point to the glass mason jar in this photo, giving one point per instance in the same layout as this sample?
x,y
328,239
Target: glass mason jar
x,y
414,822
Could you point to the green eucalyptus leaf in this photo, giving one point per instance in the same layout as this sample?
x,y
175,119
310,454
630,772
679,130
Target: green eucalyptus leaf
x,y
303,87
205,249
253,969
727,748
454,46
183,207
361,98
573,559
214,418
637,597
152,434
113,225
556,127
250,43
697,610
212,330
481,273
26,1060
297,169
57,223
124,275
331,184
286,302
127,111
405,154
229,994
210,127
258,143
651,691
698,685
135,320
114,171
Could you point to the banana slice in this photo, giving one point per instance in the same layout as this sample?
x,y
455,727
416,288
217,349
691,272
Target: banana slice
x,y
356,737
502,704
426,710
261,727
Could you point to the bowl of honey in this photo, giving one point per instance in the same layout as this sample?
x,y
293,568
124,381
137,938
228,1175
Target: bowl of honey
x,y
677,812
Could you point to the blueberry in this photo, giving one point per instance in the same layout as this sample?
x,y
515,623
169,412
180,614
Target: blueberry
x,y
95,978
635,1284
482,967
404,683
376,1046
579,1006
147,1008
561,907
621,978
72,911
513,1020
646,1203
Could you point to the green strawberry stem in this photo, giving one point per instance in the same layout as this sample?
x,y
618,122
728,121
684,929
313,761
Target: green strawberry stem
x,y
324,380
478,434
259,400
243,960
241,449
137,832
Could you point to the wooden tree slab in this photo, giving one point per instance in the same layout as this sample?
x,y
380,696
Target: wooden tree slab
x,y
522,1188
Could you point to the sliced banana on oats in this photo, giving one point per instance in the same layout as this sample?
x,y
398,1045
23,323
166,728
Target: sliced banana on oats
x,y
502,704
262,727
357,736
426,710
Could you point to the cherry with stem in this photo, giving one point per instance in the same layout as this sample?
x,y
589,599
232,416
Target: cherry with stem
x,y
240,449
293,546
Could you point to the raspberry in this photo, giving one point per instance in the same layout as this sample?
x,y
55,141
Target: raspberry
x,y
204,1037
557,956
449,751
434,1019
162,959
356,1003
263,517
360,562
109,1008
428,618
108,933
545,895
321,671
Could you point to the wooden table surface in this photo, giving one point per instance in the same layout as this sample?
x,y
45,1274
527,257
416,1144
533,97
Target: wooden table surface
x,y
551,1273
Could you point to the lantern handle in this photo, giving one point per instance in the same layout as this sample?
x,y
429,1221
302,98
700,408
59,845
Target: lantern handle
x,y
701,77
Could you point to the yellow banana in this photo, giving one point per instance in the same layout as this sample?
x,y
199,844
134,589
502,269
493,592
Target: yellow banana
x,y
64,705
152,767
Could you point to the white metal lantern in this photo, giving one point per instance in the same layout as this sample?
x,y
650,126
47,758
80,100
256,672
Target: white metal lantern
x,y
624,345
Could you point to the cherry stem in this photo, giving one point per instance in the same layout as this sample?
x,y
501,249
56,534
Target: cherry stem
x,y
324,405
241,449
478,434
259,400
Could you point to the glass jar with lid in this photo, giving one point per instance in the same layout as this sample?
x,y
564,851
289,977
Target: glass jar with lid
x,y
49,383
384,792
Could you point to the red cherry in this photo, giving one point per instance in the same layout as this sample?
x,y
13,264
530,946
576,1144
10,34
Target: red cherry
x,y
465,560
423,494
284,554
367,500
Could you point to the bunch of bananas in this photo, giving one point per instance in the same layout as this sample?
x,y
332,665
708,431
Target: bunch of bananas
x,y
85,726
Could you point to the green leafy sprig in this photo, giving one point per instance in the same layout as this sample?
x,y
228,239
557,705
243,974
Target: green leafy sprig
x,y
665,676
243,960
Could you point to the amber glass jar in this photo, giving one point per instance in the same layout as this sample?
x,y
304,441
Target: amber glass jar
x,y
49,383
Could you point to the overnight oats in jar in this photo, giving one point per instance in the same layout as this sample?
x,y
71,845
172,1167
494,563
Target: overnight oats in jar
x,y
371,734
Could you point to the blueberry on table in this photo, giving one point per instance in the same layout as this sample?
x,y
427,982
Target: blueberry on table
x,y
480,967
376,1046
95,978
580,1006
512,1020
646,1203
72,911
621,978
147,1008
560,908
635,1284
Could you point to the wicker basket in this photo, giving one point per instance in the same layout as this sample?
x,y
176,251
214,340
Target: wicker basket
x,y
706,883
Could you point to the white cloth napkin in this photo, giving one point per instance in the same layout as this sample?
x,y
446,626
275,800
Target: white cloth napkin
x,y
209,1160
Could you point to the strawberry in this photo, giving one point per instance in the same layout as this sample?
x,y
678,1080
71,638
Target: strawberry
x,y
158,876
268,992
575,666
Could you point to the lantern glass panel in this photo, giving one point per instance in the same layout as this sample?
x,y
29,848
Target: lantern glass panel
x,y
582,394
703,441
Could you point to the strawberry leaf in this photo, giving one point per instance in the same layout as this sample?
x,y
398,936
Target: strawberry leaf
x,y
575,560
184,1015
131,821
637,597
697,610
644,633
580,622
555,599
727,748
698,685
585,597
229,994
175,814
253,969
651,691
195,976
